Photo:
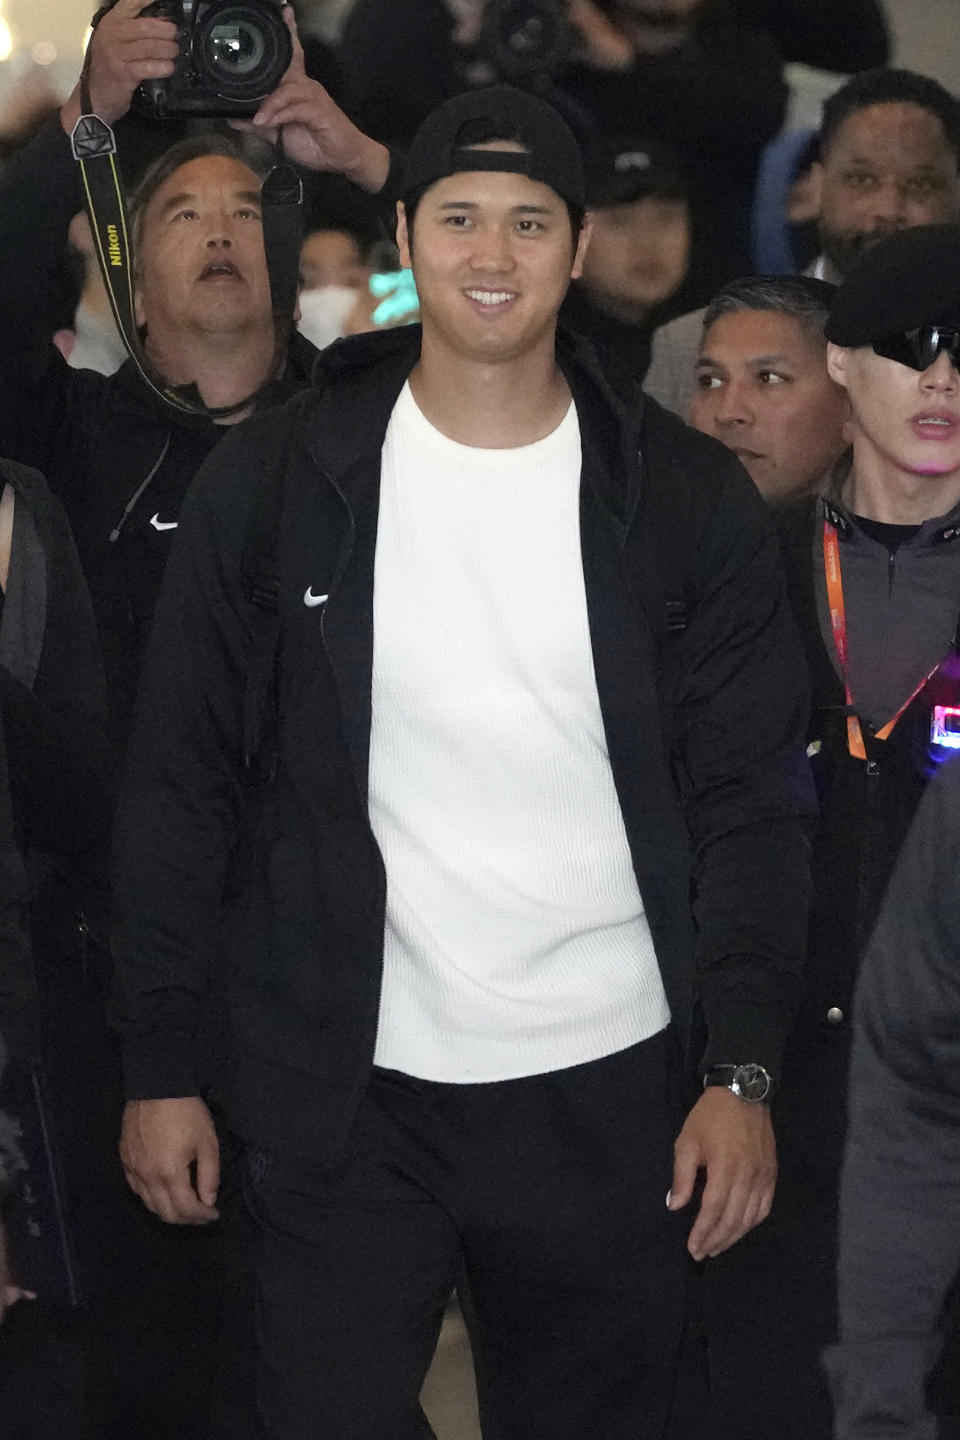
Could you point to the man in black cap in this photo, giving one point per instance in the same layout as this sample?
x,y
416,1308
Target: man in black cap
x,y
873,571
463,978
639,248
889,160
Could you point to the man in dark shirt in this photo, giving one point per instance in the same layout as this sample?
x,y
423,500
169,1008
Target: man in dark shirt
x,y
639,248
900,1199
889,160
120,459
873,571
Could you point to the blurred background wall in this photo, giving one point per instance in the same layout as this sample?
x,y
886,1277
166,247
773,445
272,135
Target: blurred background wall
x,y
46,39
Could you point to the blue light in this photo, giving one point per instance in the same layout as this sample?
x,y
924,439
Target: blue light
x,y
945,727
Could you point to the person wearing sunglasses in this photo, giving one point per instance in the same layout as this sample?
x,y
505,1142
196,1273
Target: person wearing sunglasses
x,y
873,570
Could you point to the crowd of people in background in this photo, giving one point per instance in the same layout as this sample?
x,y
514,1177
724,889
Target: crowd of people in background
x,y
369,836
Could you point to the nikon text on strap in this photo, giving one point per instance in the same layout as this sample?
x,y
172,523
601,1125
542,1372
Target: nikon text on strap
x,y
95,150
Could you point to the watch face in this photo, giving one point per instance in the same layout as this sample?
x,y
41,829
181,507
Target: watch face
x,y
751,1082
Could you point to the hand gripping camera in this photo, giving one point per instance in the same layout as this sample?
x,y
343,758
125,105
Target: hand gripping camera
x,y
233,53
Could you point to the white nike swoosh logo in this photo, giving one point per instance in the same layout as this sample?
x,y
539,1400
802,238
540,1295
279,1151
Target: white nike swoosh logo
x,y
159,524
311,600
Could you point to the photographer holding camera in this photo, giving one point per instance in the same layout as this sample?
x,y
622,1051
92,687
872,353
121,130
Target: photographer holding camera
x,y
119,459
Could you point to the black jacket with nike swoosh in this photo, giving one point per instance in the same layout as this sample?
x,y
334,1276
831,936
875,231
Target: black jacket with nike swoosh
x,y
105,443
274,900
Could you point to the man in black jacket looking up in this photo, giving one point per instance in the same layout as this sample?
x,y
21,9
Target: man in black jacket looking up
x,y
464,979
119,459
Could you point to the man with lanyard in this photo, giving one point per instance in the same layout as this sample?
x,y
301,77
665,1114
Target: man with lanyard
x,y
874,577
509,734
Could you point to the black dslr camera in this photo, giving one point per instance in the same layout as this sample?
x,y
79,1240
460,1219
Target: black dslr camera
x,y
233,53
526,41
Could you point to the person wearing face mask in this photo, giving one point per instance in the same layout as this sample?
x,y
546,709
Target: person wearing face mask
x,y
333,272
873,572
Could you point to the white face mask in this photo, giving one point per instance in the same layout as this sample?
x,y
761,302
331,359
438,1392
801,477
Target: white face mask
x,y
98,345
323,313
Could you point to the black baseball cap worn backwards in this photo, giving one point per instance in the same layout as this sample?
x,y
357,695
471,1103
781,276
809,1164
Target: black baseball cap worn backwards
x,y
550,154
905,282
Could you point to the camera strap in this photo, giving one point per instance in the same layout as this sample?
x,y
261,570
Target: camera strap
x,y
94,148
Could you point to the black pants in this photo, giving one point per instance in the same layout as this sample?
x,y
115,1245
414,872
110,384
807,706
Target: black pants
x,y
770,1302
547,1194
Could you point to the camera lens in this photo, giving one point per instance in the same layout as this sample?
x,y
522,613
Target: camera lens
x,y
235,48
527,37
241,51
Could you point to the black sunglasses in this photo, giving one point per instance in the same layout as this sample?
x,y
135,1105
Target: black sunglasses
x,y
920,348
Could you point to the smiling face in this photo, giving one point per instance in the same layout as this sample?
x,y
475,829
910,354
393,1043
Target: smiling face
x,y
492,257
638,254
906,423
889,167
200,257
764,390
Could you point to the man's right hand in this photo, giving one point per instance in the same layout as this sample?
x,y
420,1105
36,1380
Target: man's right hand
x,y
159,1142
125,49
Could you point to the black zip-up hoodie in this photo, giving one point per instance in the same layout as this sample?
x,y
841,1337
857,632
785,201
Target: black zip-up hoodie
x,y
276,901
903,617
117,458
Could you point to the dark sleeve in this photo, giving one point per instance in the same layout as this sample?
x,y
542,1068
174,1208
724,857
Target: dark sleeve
x,y
18,1000
741,714
900,1199
61,760
39,393
398,65
182,792
734,100
840,35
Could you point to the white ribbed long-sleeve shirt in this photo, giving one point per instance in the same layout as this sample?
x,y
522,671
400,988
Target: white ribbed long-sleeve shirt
x,y
515,939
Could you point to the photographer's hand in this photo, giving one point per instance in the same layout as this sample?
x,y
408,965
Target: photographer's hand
x,y
125,49
601,43
316,132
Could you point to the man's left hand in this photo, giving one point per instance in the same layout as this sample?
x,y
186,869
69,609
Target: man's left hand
x,y
733,1142
316,132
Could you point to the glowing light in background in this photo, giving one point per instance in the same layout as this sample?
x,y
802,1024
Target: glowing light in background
x,y
6,40
44,53
945,729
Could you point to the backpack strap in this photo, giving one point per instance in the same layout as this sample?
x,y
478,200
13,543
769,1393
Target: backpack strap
x,y
665,582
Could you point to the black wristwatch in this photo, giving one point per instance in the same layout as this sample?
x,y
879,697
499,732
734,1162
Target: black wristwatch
x,y
751,1083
